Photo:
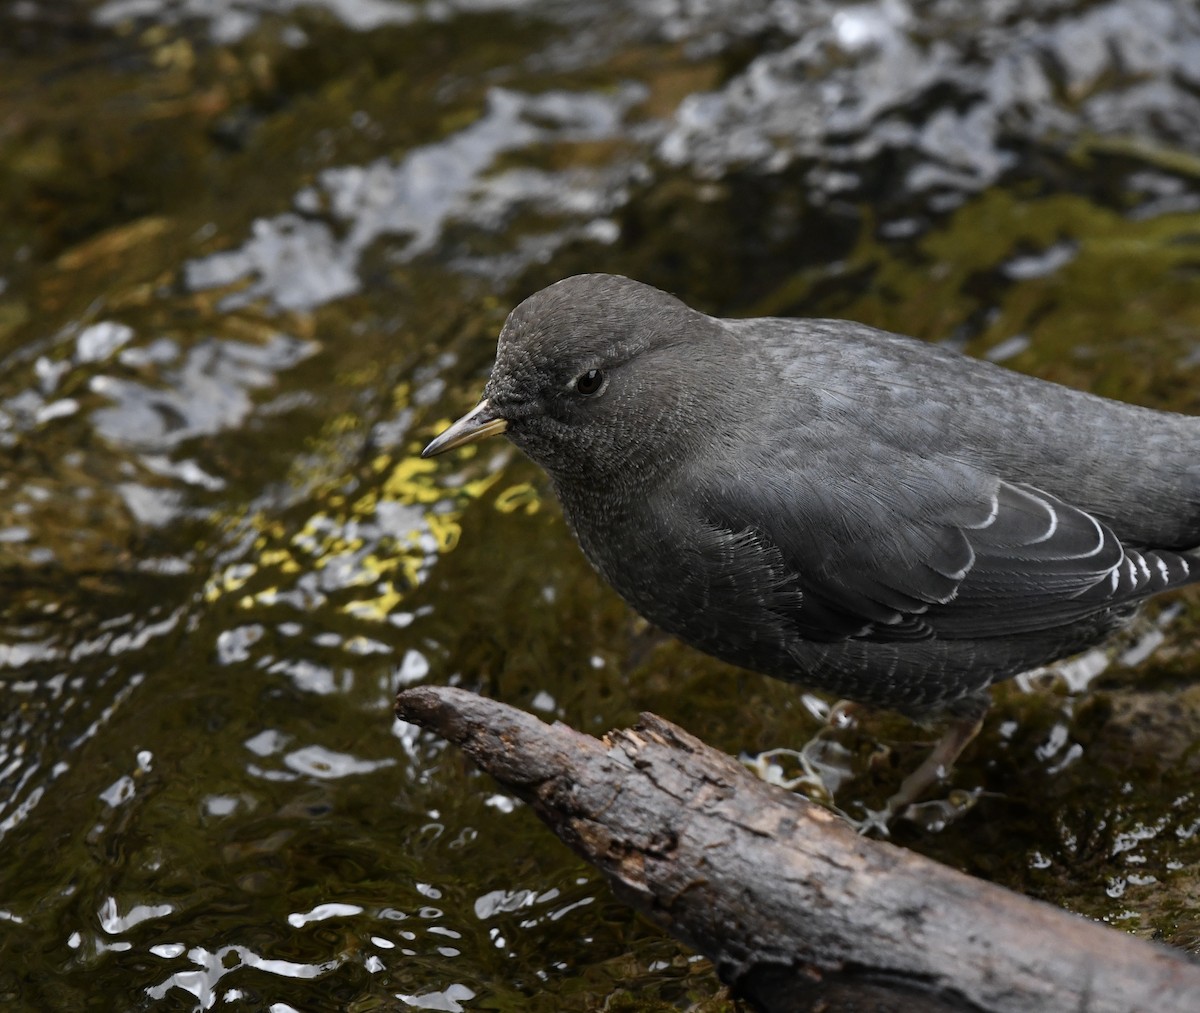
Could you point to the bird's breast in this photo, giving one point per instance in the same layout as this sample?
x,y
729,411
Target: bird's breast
x,y
721,591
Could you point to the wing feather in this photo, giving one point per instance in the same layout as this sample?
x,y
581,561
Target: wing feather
x,y
942,550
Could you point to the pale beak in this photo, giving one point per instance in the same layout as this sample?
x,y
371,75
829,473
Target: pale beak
x,y
479,423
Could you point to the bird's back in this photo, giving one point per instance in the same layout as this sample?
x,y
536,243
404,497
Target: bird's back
x,y
1134,468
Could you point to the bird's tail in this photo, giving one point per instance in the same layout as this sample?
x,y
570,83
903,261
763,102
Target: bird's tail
x,y
1147,571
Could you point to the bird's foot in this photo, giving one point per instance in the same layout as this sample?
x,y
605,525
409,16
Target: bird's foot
x,y
935,767
933,816
825,763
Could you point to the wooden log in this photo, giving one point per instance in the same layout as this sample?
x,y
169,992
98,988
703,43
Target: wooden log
x,y
796,910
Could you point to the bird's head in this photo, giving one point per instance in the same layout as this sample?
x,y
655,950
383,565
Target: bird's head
x,y
598,379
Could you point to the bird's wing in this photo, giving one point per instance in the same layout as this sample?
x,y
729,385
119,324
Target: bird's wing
x,y
938,548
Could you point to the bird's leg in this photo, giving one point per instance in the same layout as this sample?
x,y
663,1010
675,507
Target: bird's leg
x,y
937,765
967,718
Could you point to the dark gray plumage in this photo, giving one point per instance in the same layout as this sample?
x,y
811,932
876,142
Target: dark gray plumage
x,y
836,505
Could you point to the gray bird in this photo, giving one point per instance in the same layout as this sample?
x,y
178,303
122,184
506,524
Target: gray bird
x,y
838,506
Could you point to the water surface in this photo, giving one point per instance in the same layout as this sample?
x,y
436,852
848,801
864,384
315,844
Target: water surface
x,y
254,253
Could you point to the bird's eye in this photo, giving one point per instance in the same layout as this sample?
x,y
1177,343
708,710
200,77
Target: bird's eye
x,y
590,382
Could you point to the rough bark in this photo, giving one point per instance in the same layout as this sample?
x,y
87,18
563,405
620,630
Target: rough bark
x,y
795,909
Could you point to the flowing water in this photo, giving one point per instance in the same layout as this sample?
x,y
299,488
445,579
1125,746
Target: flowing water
x,y
254,253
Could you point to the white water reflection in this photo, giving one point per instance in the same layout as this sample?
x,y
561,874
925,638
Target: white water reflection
x,y
210,391
301,262
311,760
448,1000
215,965
328,764
114,923
230,21
323,912
853,84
